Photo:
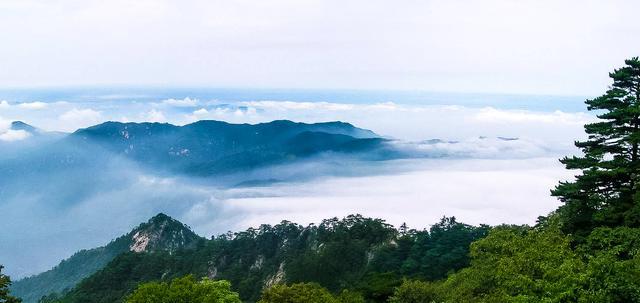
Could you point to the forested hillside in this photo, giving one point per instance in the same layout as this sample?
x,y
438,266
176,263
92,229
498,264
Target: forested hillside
x,y
362,254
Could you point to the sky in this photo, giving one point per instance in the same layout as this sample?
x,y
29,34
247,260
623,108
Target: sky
x,y
526,47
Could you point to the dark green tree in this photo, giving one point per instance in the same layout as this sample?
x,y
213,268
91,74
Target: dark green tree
x,y
297,293
5,282
415,291
186,289
606,192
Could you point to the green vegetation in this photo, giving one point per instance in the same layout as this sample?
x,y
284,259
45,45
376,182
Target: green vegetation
x,y
5,282
305,293
516,264
415,291
186,290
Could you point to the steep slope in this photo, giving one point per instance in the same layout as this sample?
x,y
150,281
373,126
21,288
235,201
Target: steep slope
x,y
160,233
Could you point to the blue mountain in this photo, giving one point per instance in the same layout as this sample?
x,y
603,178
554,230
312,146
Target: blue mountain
x,y
212,147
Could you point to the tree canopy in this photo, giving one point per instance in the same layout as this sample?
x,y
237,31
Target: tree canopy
x,y
306,293
185,290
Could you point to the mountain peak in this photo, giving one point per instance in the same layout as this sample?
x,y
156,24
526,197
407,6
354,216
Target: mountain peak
x,y
19,125
161,217
162,233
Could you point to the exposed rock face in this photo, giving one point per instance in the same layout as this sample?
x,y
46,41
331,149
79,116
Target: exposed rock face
x,y
162,233
140,242
258,264
277,278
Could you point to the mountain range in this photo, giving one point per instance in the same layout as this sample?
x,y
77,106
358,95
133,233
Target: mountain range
x,y
202,148
212,147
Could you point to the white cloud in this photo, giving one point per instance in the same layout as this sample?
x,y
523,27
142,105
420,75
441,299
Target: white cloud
x,y
494,192
493,115
154,116
4,124
14,135
36,105
33,105
293,105
234,114
186,102
77,118
201,112
482,148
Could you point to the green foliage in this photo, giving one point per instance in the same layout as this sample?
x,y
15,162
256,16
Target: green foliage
x,y
377,286
307,293
445,248
348,296
297,293
119,278
606,193
516,264
339,249
415,291
186,290
613,265
521,264
5,282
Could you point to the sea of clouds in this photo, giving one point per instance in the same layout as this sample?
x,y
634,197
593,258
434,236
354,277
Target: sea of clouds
x,y
480,164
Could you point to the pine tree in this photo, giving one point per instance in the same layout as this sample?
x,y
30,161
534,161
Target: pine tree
x,y
606,193
404,229
5,282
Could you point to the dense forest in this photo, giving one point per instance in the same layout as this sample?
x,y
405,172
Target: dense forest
x,y
360,254
588,250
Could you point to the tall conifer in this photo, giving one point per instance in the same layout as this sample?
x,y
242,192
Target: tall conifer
x,y
605,193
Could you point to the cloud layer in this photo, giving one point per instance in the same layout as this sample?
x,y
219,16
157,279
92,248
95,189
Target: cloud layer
x,y
475,191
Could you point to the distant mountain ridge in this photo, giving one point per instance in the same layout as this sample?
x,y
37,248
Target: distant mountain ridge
x,y
203,148
160,233
209,147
